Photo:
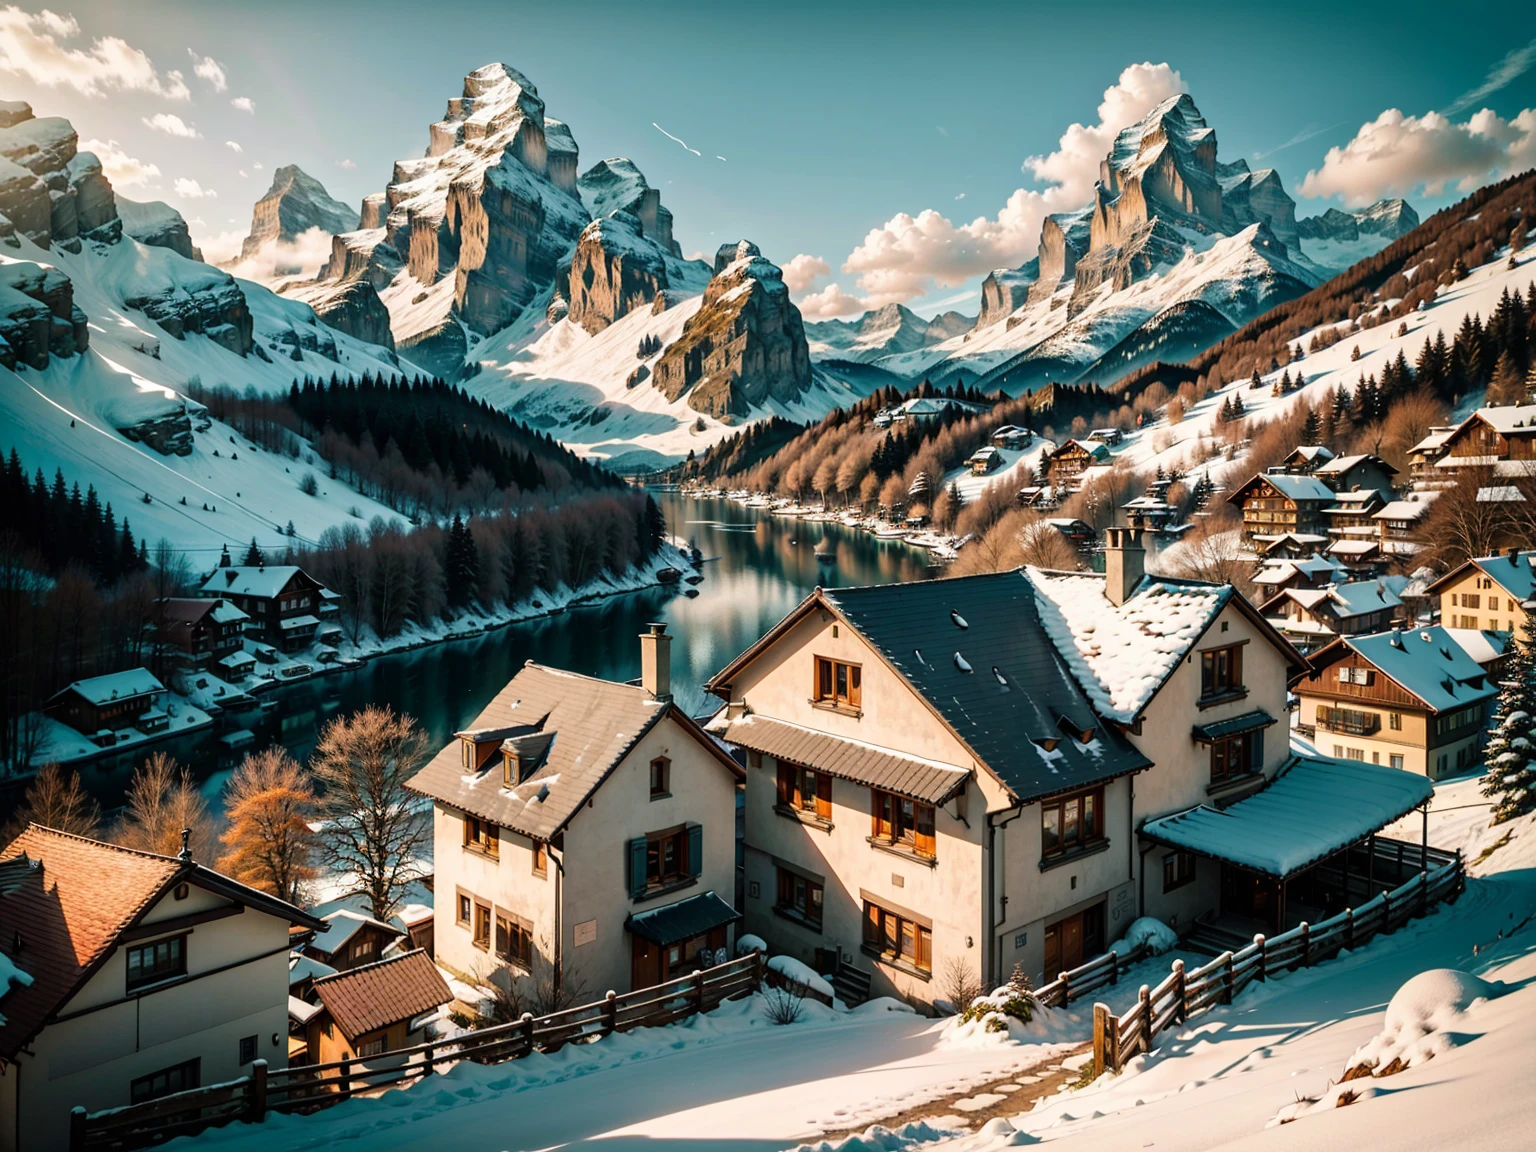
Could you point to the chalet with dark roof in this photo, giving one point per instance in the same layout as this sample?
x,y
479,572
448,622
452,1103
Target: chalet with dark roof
x,y
288,608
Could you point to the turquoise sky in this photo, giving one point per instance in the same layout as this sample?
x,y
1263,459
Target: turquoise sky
x,y
832,117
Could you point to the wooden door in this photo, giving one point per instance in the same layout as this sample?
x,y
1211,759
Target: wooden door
x,y
645,964
1072,941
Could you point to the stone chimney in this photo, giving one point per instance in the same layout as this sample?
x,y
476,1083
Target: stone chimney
x,y
656,662
1125,562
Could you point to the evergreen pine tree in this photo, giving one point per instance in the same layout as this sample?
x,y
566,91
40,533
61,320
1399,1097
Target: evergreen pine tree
x,y
1511,751
253,556
1311,427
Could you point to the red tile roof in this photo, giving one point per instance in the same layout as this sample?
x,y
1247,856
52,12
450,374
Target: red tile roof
x,y
377,995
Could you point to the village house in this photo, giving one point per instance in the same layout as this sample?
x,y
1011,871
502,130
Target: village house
x,y
1407,698
1400,521
371,1009
102,706
130,976
350,940
1306,458
956,788
584,832
984,460
199,631
1292,546
285,604
1362,472
1012,436
1151,511
1424,455
1065,465
1310,617
1351,516
1489,592
1109,437
1501,438
1360,557
1276,576
1276,504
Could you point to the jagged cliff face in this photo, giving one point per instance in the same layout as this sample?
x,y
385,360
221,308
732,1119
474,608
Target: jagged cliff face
x,y
616,185
744,347
1386,218
1005,289
294,204
613,272
49,192
157,224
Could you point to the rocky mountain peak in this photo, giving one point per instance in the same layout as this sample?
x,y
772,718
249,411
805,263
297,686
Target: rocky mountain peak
x,y
728,254
295,203
617,185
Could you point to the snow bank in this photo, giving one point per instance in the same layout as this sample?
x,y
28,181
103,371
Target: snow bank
x,y
879,1138
800,973
1421,1017
1148,930
750,943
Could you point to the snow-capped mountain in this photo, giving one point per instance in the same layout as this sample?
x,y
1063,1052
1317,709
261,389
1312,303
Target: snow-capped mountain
x,y
294,204
1337,239
106,324
885,331
1175,251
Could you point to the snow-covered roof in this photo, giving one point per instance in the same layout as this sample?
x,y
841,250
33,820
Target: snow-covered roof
x,y
1292,486
302,967
344,924
1481,645
301,1011
1352,599
1428,663
265,581
1311,452
1500,494
116,686
1410,508
1342,501
1121,655
1315,807
1355,548
1507,418
1435,440
1516,573
1343,464
293,622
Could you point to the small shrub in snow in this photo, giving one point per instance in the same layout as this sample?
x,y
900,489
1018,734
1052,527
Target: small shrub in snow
x,y
783,1005
1149,931
749,943
961,983
1014,1000
308,484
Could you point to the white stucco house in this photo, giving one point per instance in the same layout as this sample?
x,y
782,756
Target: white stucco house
x,y
584,834
126,976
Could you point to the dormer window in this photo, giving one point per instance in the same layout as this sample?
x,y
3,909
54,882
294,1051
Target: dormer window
x,y
511,769
470,757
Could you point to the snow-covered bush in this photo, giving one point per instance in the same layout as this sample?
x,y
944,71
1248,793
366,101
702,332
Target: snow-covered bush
x,y
1421,1020
783,1005
795,972
1148,930
1015,1000
1511,751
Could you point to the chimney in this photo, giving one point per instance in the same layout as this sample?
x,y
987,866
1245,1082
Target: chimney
x,y
224,560
1125,562
656,662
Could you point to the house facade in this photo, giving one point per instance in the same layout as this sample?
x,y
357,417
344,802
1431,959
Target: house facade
x,y
1412,699
373,1008
200,631
1277,504
285,604
112,703
143,975
351,940
584,834
1488,592
1362,473
1501,438
961,785
1310,617
1065,465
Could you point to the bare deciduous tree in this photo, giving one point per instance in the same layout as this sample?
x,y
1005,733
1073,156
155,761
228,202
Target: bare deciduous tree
x,y
164,800
57,801
269,804
373,829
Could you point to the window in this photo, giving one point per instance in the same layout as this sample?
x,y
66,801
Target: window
x,y
514,939
151,963
470,757
666,858
482,937
901,821
1071,822
1471,600
1395,721
805,790
898,937
247,1049
1396,761
463,911
511,768
371,1047
177,1078
362,950
1349,675
1178,870
1355,754
480,835
1450,721
1221,671
838,683
799,897
661,777
1233,756
540,858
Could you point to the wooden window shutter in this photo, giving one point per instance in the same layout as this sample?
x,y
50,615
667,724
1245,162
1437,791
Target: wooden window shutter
x,y
787,776
637,867
823,796
695,849
923,834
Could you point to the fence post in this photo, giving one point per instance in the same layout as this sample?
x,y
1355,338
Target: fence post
x,y
1423,892
1349,929
1263,957
426,1060
1066,987
527,1023
698,992
1178,991
1386,910
1145,996
1306,945
345,1078
611,1012
1100,1037
77,1116
256,1108
757,971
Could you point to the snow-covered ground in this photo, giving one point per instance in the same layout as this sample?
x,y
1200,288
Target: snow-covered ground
x,y
1017,464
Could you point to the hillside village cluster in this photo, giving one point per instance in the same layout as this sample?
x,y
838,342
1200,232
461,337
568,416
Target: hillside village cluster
x,y
906,790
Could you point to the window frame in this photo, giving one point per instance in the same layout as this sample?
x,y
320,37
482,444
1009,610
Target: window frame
x,y
656,844
157,973
661,774
513,939
540,854
799,897
190,1072
374,1047
1083,814
482,929
464,909
804,791
1221,672
482,836
837,684
1178,870
1227,765
898,821
898,938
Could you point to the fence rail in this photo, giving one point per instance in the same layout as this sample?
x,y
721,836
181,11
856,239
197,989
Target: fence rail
x,y
1186,992
311,1087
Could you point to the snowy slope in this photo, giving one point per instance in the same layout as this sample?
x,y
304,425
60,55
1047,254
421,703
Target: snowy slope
x,y
1017,465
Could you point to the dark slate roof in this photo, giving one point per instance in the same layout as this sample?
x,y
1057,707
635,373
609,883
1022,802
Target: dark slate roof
x,y
683,920
1247,722
1017,690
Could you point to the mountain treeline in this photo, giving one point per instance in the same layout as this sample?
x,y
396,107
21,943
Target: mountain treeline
x,y
64,527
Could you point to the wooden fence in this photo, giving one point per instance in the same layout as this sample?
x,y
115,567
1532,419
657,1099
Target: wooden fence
x,y
311,1087
1117,1039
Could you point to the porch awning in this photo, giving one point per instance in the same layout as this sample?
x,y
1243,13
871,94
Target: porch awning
x,y
683,920
1314,808
1233,726
298,622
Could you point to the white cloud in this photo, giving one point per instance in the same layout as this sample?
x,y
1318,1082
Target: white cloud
x,y
803,271
244,175
275,261
31,45
257,165
171,125
904,257
348,163
210,70
1516,63
233,147
1396,155
244,104
961,196
123,170
830,303
189,189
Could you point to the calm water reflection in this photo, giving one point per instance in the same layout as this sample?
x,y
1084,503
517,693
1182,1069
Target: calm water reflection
x,y
760,567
